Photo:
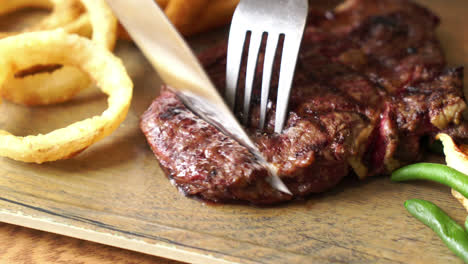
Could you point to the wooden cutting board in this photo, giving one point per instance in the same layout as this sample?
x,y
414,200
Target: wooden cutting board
x,y
115,193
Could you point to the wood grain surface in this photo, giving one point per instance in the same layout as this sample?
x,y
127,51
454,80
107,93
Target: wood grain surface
x,y
115,193
27,246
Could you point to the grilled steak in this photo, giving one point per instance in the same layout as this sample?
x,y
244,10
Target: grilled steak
x,y
371,82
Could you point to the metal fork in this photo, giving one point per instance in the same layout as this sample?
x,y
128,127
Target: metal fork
x,y
273,18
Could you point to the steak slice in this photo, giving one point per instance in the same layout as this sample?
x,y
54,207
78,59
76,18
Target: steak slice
x,y
371,82
201,160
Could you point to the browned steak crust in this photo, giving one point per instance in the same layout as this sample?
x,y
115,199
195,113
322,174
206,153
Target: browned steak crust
x,y
201,160
371,82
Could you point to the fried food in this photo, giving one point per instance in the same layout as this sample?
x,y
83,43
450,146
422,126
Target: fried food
x,y
162,3
194,16
218,13
457,158
58,48
39,87
81,26
183,13
103,22
63,12
42,88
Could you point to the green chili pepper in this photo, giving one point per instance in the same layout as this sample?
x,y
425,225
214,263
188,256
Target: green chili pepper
x,y
452,234
433,172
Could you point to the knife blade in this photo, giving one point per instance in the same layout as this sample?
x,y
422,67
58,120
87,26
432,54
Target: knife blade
x,y
180,69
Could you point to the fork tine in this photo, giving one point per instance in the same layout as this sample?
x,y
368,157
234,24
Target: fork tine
x,y
237,38
252,59
271,46
292,43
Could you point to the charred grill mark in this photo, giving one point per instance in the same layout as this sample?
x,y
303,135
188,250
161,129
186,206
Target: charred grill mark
x,y
371,81
411,50
387,21
171,113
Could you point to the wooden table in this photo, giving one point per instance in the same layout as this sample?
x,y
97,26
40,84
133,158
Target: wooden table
x,y
23,245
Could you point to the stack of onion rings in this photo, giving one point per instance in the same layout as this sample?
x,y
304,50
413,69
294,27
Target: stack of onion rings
x,y
49,63
42,87
63,12
47,48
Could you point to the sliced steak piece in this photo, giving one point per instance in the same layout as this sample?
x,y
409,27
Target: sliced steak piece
x,y
371,82
201,160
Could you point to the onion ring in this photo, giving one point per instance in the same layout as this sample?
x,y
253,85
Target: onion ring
x,y
63,12
58,47
103,22
48,88
162,3
218,13
183,13
81,26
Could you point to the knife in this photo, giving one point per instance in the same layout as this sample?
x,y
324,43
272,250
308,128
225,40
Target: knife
x,y
180,69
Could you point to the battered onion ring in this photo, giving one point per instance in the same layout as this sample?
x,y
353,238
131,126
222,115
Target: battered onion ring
x,y
81,26
57,47
63,12
218,13
162,3
103,22
61,85
183,13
